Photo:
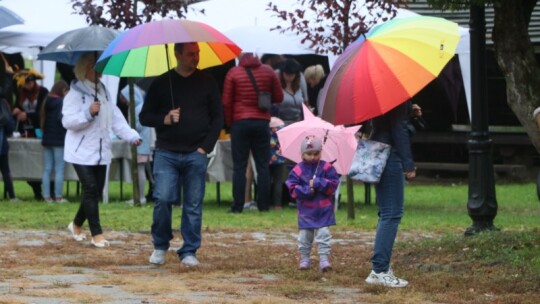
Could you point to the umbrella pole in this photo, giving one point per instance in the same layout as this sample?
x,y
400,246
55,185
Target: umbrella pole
x,y
170,79
133,164
96,76
96,80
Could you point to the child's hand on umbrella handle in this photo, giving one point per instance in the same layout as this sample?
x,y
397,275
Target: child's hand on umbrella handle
x,y
173,117
94,108
311,185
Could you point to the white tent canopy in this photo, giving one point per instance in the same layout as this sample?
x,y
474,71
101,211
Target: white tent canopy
x,y
259,40
44,20
225,15
249,24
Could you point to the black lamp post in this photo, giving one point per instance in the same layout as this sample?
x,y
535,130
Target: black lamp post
x,y
482,203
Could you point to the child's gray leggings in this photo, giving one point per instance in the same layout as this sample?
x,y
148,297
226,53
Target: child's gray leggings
x,y
322,237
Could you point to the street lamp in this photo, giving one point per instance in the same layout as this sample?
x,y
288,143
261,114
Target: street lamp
x,y
482,202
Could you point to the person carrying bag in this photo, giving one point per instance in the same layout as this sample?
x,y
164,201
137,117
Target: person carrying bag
x,y
264,98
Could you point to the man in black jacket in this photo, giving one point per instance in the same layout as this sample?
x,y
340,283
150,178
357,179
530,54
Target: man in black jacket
x,y
184,107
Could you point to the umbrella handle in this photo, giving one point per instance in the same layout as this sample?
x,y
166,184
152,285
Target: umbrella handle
x,y
170,79
325,136
96,81
324,141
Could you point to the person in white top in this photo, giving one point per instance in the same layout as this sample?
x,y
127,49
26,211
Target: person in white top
x,y
90,117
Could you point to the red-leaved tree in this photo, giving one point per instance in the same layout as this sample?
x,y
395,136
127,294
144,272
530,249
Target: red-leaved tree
x,y
119,14
329,26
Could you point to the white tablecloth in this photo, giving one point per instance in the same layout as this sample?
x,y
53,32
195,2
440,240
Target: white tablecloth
x,y
26,160
220,164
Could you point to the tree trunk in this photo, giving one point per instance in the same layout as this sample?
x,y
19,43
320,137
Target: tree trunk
x,y
515,56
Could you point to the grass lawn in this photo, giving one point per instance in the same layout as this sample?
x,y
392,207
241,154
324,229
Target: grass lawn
x,y
434,208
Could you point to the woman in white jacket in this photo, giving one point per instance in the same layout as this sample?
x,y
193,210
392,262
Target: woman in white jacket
x,y
91,117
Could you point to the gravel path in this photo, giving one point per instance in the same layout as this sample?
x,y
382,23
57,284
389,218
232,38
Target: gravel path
x,y
48,267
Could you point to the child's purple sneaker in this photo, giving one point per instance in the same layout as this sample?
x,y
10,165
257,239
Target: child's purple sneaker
x,y
324,265
304,264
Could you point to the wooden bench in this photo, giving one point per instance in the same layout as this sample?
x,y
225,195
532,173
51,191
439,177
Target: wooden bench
x,y
507,141
514,171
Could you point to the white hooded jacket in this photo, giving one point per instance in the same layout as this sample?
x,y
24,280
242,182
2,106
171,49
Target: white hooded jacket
x,y
88,139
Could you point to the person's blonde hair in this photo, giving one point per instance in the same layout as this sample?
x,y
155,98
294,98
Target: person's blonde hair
x,y
315,72
82,63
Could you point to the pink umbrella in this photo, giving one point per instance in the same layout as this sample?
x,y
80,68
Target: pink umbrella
x,y
339,143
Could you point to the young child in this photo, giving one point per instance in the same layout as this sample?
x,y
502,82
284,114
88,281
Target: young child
x,y
312,183
277,166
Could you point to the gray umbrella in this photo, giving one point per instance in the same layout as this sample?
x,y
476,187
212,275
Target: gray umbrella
x,y
8,17
68,47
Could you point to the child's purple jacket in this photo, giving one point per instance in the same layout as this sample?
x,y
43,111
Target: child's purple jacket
x,y
315,209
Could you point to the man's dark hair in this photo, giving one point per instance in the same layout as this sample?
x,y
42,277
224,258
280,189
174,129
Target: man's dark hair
x,y
179,47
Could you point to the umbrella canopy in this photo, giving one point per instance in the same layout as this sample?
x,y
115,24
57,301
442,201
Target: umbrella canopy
x,y
339,143
258,39
8,17
148,49
68,47
391,64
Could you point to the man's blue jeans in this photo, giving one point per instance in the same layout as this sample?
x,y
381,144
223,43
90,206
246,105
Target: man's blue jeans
x,y
169,167
390,200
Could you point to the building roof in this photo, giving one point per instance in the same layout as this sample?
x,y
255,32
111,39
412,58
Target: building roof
x,y
462,18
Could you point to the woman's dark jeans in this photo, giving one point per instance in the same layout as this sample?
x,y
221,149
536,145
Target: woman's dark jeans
x,y
250,135
92,179
6,176
36,188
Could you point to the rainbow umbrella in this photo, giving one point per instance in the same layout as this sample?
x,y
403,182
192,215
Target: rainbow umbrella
x,y
148,49
392,63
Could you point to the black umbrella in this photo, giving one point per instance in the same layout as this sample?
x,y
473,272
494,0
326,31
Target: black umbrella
x,y
68,47
8,17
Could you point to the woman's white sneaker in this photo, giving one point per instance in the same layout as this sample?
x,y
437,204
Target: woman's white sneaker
x,y
387,279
